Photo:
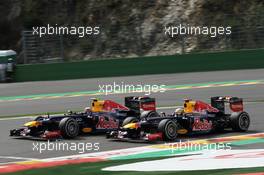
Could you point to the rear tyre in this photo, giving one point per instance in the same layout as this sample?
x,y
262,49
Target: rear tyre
x,y
69,128
168,129
129,120
240,121
149,114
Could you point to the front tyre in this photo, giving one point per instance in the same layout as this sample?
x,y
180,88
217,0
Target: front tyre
x,y
69,128
168,129
240,121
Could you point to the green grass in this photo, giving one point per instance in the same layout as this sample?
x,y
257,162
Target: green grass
x,y
95,169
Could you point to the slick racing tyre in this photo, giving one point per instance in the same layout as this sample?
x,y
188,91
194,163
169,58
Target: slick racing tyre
x,y
69,128
168,129
129,120
240,121
149,114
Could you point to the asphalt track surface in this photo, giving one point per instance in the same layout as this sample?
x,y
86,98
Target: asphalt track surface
x,y
15,149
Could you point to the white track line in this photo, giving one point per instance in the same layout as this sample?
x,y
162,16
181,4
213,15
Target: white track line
x,y
16,118
17,158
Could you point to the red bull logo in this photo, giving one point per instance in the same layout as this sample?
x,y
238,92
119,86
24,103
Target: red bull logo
x,y
106,124
204,125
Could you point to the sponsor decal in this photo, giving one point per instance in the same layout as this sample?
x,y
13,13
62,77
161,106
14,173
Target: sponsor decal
x,y
182,131
204,125
236,107
204,107
79,119
148,106
104,123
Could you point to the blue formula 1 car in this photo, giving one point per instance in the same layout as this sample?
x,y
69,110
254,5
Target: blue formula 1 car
x,y
102,116
193,117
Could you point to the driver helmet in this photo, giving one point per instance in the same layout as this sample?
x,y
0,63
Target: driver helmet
x,y
87,110
179,111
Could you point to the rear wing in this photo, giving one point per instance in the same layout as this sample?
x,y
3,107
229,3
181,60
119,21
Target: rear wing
x,y
138,104
235,103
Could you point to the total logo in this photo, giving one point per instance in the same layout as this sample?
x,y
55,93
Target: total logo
x,y
204,125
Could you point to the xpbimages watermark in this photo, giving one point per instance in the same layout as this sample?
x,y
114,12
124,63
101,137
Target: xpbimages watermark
x,y
196,146
80,147
80,31
130,88
212,31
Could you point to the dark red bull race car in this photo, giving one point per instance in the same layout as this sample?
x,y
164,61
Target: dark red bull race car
x,y
193,117
102,116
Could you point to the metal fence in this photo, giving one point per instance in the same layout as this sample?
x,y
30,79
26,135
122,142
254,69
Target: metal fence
x,y
48,48
138,38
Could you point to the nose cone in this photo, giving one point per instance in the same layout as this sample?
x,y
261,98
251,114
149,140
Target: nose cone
x,y
32,124
131,126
